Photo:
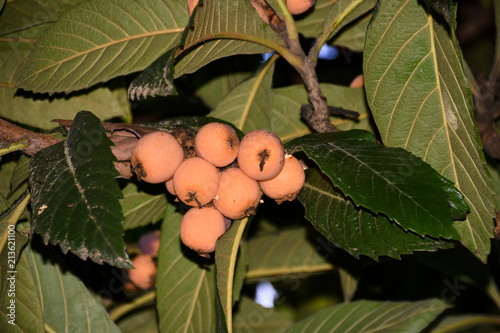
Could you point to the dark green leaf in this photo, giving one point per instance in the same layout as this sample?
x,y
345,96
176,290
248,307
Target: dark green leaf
x,y
226,253
356,230
286,253
385,180
140,208
75,194
67,304
100,40
184,282
370,316
251,317
421,101
143,320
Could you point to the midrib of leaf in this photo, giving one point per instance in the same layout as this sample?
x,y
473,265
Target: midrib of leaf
x,y
104,46
193,304
86,306
385,32
406,84
438,85
81,191
138,207
269,272
375,172
255,89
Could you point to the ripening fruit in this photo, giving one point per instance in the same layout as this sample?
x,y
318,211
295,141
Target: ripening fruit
x,y
288,183
196,181
169,184
191,5
296,7
217,143
261,155
156,156
144,272
238,194
201,228
149,243
357,82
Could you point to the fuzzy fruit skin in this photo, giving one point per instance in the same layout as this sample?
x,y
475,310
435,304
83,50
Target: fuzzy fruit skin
x,y
288,183
156,156
143,275
196,181
238,194
296,7
191,4
201,228
217,143
261,155
169,184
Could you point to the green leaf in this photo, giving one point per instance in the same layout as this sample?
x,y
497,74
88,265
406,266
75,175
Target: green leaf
x,y
67,305
353,37
226,253
421,101
142,320
39,110
24,20
248,105
21,173
286,253
311,25
214,81
27,304
385,180
236,28
341,14
254,105
252,317
184,283
100,40
75,194
356,230
141,208
287,122
370,316
462,322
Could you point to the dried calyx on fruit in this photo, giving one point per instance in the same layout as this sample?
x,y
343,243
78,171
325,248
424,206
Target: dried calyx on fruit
x,y
156,156
189,167
287,184
196,181
238,194
261,155
217,143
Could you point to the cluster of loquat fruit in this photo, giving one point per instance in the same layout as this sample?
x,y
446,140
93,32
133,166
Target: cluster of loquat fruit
x,y
224,179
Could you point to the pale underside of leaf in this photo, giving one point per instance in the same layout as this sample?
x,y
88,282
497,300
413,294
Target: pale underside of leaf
x,y
185,289
421,101
100,40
